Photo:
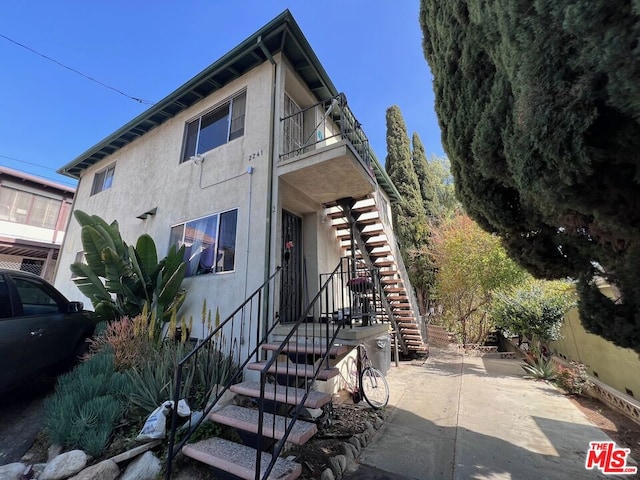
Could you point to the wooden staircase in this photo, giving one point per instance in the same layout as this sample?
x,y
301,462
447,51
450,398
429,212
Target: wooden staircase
x,y
240,460
374,244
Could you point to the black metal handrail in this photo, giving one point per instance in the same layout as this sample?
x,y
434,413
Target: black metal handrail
x,y
331,295
329,119
258,311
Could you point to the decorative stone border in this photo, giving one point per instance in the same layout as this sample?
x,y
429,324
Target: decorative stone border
x,y
352,449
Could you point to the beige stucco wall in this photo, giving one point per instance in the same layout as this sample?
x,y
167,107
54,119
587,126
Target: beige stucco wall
x,y
149,174
615,366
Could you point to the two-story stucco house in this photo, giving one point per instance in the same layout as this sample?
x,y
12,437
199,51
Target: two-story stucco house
x,y
254,163
33,217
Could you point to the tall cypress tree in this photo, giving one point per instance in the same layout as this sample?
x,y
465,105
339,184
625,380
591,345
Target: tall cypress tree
x,y
409,216
426,178
539,106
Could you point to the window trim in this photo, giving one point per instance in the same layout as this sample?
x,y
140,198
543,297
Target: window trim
x,y
228,103
219,215
105,170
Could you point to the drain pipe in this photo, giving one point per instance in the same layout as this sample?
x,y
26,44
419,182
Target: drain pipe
x,y
270,169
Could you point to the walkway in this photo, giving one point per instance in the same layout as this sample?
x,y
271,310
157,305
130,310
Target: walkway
x,y
466,417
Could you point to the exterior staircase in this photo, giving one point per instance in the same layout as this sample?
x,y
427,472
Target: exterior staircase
x,y
281,378
240,460
372,241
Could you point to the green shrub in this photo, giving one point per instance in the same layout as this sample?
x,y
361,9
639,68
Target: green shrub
x,y
153,381
572,379
86,405
540,369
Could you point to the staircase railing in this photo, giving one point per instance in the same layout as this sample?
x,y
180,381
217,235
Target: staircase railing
x,y
319,337
255,316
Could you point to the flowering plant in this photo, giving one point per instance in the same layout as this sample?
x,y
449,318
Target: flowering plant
x,y
288,246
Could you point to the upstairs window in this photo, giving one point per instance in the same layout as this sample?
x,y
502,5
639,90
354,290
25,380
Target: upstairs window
x,y
210,243
103,179
28,208
215,128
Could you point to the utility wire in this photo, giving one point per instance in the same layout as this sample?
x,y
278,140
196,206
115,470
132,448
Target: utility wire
x,y
139,100
40,166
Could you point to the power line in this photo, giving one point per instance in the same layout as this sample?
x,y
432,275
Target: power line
x,y
40,166
139,100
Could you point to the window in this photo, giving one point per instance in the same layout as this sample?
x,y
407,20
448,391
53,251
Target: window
x,y
215,128
210,243
28,208
103,179
293,125
5,299
36,297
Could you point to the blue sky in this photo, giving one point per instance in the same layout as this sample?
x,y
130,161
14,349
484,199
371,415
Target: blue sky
x,y
371,49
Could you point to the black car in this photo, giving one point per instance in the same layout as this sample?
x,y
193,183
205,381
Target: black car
x,y
39,328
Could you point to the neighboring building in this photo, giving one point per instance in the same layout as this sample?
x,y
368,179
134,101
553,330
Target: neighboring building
x,y
34,213
251,164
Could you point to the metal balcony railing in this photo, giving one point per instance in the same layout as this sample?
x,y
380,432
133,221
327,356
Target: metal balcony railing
x,y
321,125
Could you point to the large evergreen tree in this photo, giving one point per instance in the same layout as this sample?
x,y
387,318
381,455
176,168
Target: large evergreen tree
x,y
427,179
409,217
539,106
408,214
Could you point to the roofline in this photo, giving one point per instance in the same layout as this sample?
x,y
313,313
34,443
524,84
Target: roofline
x,y
283,23
35,179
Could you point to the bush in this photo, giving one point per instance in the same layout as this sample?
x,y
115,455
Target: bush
x,y
540,369
128,339
86,405
572,379
154,383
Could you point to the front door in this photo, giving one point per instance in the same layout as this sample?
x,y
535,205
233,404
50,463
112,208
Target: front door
x,y
291,285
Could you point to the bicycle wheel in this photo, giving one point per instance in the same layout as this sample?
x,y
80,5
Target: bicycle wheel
x,y
375,389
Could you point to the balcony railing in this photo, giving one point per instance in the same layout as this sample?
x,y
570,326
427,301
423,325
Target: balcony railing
x,y
321,125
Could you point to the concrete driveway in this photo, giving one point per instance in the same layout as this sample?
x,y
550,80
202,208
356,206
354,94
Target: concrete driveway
x,y
459,417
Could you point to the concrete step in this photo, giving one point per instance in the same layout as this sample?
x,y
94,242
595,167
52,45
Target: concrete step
x,y
295,370
239,460
273,426
282,394
309,349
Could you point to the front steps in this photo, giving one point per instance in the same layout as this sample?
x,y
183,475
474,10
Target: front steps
x,y
240,460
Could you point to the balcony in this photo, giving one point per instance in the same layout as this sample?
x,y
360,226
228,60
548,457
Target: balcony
x,y
325,152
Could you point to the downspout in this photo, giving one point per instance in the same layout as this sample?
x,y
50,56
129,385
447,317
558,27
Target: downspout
x,y
270,168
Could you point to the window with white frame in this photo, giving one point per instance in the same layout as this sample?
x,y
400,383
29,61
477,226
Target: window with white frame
x,y
216,127
103,179
210,242
292,126
28,208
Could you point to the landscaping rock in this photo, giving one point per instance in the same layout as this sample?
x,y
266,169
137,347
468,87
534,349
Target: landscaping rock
x,y
12,471
327,474
378,422
106,470
334,465
134,452
349,451
369,427
53,451
64,465
146,467
355,442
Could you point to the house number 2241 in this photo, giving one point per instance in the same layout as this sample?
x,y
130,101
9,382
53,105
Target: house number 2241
x,y
255,155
